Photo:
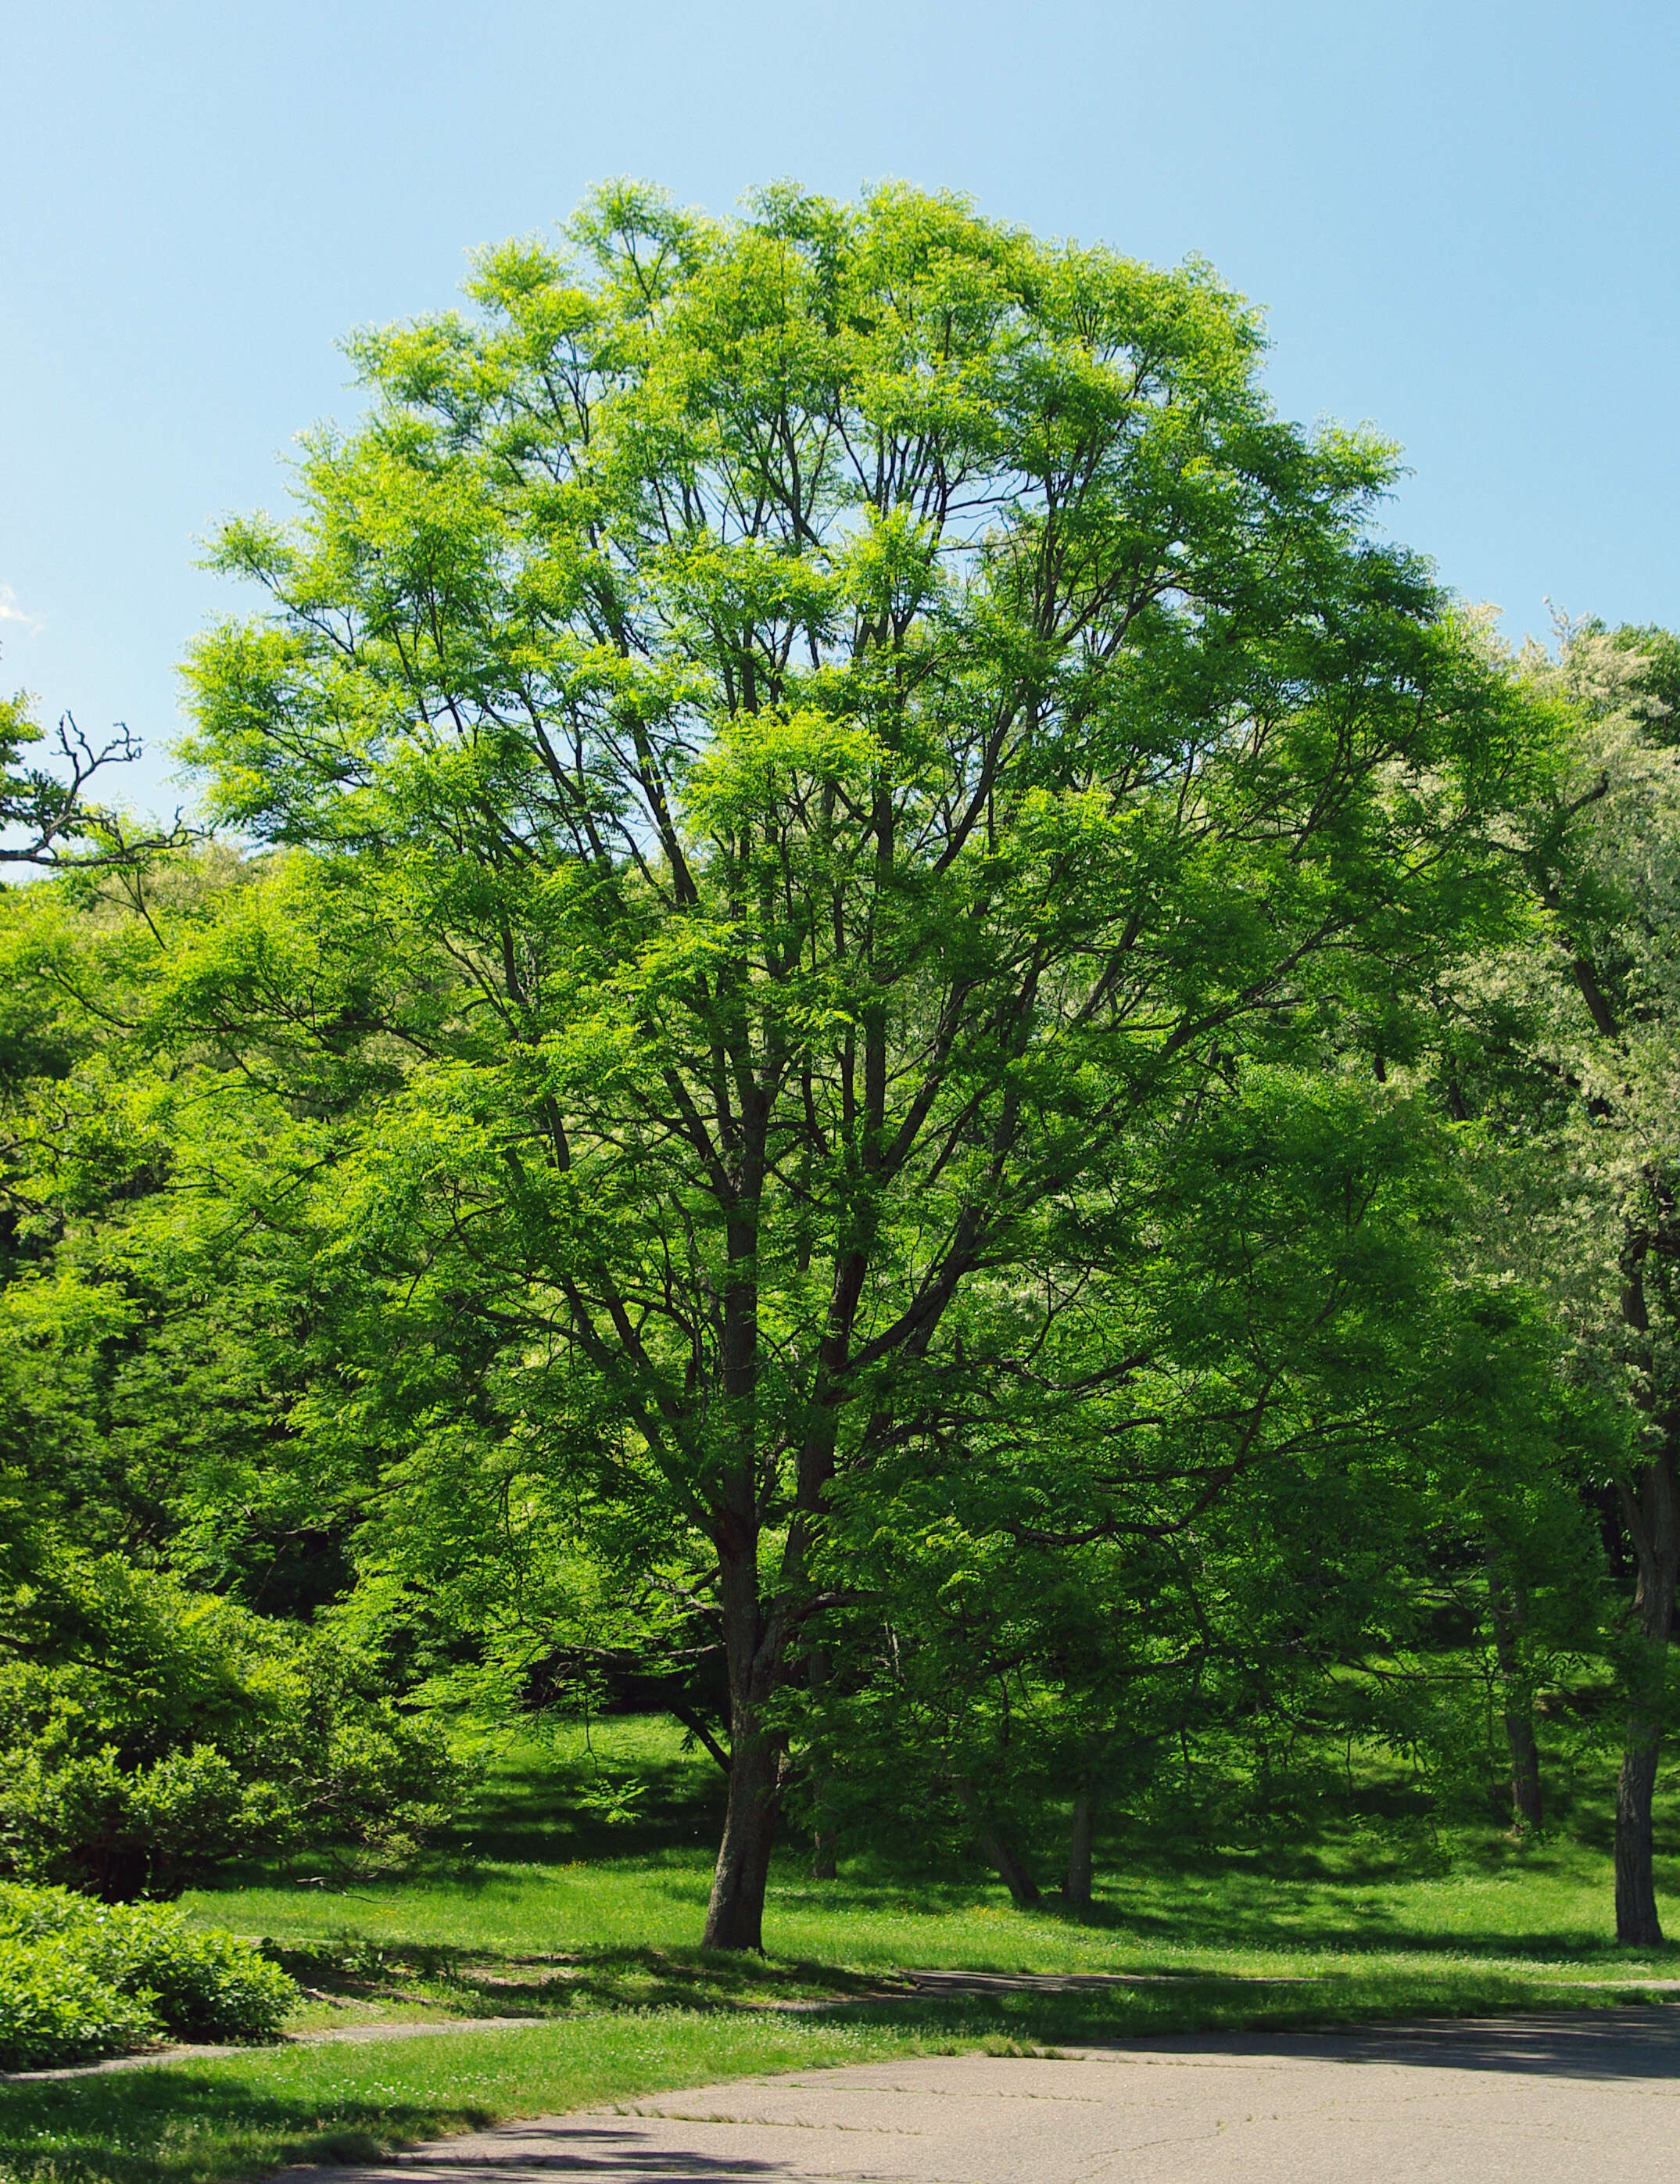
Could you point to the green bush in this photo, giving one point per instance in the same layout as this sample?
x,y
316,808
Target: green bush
x,y
117,1829
55,2008
78,1980
208,1984
149,1733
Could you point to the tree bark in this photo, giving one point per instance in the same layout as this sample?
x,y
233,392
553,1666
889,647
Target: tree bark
x,y
1076,1889
1527,1801
999,1853
1635,1913
1649,1505
1527,1804
735,1914
1651,1510
1011,1869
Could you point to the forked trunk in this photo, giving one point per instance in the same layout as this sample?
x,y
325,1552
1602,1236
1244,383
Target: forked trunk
x,y
1076,1889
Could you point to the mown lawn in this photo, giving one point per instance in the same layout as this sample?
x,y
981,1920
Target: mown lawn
x,y
535,1874
541,1908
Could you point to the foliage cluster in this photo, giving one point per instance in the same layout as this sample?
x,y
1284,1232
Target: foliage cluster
x,y
150,1733
79,1979
909,1056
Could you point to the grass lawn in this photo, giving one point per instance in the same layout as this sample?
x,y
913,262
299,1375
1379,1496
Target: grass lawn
x,y
538,1908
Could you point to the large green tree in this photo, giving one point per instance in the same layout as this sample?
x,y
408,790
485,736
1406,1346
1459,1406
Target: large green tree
x,y
862,714
1564,1047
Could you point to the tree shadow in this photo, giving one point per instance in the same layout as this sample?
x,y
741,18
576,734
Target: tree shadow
x,y
566,2150
152,2126
476,1982
1614,2044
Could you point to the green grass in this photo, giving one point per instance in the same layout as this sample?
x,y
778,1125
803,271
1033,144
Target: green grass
x,y
533,1873
539,1908
201,2123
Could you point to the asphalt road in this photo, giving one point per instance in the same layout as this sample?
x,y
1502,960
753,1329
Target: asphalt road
x,y
1569,2099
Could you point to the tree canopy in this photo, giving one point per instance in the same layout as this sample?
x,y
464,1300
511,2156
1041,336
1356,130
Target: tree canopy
x,y
872,719
864,1066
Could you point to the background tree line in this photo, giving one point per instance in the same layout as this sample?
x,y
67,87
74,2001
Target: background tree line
x,y
906,1053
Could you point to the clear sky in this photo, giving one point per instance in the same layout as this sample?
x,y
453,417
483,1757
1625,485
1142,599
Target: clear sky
x,y
1462,219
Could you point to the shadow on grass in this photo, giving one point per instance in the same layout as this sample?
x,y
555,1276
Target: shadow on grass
x,y
1245,1905
1349,1925
469,1983
1078,2008
178,2125
541,1815
1365,1881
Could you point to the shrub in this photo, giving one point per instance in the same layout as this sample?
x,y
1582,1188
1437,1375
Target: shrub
x,y
119,1831
78,1980
180,1731
208,1984
55,2008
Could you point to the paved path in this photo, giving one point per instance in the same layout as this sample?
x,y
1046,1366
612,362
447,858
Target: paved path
x,y
1569,2099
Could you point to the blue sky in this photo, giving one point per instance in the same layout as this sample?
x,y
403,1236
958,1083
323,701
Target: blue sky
x,y
1461,219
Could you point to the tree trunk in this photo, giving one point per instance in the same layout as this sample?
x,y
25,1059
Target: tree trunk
x,y
734,1914
1648,1510
1649,1507
1636,1911
1528,1806
1527,1803
1011,1870
1076,1889
822,1843
999,1853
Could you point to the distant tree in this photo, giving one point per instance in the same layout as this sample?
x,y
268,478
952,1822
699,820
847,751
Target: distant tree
x,y
873,711
1241,1538
1565,1049
165,1705
47,818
